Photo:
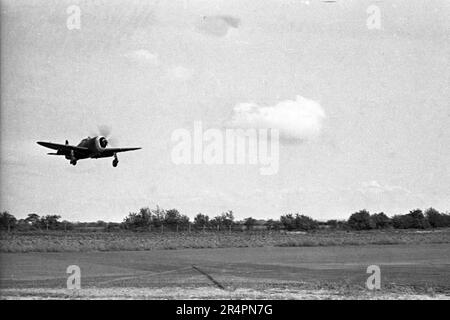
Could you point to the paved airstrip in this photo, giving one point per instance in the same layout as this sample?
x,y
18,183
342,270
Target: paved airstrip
x,y
407,271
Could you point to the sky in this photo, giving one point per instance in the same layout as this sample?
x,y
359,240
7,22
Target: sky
x,y
358,89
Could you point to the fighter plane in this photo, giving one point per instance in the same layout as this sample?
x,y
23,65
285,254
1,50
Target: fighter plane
x,y
94,148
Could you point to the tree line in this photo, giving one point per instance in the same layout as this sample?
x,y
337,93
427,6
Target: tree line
x,y
159,219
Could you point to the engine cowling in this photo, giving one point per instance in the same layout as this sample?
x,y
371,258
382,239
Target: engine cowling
x,y
101,143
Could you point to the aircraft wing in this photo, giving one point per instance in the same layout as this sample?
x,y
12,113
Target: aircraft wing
x,y
63,147
111,151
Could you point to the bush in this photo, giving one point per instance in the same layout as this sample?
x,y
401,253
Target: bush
x,y
419,220
201,221
337,224
332,223
381,221
50,222
7,221
299,222
437,219
361,221
249,223
141,220
288,222
147,220
402,221
305,223
413,220
273,224
225,221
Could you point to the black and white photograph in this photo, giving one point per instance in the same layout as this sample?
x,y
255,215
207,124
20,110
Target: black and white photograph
x,y
225,150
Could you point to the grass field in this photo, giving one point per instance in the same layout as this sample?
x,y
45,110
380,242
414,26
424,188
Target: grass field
x,y
129,241
272,265
408,271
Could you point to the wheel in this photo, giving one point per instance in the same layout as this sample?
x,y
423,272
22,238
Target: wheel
x,y
115,163
73,162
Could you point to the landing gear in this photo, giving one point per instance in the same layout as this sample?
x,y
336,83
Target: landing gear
x,y
73,160
115,161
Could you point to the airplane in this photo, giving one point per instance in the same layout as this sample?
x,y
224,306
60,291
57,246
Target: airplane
x,y
94,148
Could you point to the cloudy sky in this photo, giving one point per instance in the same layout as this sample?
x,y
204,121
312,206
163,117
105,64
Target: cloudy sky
x,y
363,112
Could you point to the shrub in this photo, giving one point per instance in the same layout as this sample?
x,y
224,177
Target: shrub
x,y
273,224
249,223
361,221
381,221
298,222
413,220
305,223
139,221
402,221
201,221
288,222
437,219
7,221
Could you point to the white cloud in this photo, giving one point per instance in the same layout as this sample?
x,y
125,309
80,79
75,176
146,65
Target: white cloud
x,y
143,56
179,73
218,26
375,188
296,120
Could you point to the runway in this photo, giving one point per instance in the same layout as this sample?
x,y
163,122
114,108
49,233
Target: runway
x,y
193,273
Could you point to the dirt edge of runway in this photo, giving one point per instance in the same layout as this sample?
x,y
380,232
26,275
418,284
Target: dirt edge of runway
x,y
207,293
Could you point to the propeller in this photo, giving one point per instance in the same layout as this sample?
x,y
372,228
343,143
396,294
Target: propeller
x,y
105,131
